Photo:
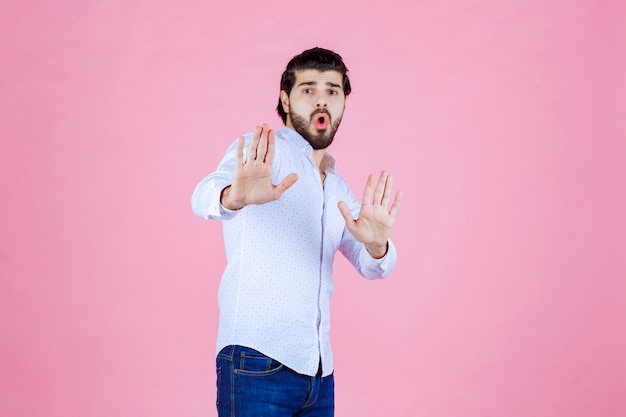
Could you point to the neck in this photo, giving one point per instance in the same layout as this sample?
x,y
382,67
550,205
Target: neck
x,y
318,155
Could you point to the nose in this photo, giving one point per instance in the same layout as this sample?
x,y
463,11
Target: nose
x,y
321,101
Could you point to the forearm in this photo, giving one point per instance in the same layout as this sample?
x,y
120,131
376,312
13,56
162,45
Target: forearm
x,y
368,266
206,198
373,268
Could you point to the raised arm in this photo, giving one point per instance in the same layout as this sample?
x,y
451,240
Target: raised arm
x,y
238,182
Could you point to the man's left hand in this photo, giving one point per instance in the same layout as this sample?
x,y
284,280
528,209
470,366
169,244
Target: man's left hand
x,y
375,221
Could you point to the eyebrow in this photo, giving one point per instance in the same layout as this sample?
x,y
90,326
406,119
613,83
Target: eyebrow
x,y
329,84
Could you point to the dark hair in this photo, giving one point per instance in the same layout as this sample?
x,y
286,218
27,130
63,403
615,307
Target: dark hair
x,y
316,58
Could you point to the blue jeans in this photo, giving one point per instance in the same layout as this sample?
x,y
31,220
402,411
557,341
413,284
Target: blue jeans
x,y
250,384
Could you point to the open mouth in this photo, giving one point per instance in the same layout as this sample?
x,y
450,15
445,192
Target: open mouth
x,y
321,121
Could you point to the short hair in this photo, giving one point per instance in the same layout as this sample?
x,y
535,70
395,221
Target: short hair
x,y
318,59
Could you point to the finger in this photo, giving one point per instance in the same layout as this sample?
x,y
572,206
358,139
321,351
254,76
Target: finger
x,y
387,191
380,188
367,192
284,185
262,147
347,214
254,142
271,147
396,205
240,144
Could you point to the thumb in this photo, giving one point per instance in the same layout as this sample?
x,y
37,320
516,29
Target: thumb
x,y
285,185
346,213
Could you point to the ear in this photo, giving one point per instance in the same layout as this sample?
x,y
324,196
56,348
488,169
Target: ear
x,y
284,99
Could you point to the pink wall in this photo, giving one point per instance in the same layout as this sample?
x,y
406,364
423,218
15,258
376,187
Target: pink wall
x,y
503,122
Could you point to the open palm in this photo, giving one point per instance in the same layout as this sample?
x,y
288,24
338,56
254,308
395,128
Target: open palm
x,y
252,176
375,221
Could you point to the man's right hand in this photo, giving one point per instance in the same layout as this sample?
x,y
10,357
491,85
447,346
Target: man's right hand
x,y
252,178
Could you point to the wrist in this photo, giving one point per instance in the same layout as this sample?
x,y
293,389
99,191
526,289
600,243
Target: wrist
x,y
377,251
226,201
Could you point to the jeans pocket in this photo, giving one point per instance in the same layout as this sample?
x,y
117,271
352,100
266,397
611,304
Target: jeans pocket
x,y
252,362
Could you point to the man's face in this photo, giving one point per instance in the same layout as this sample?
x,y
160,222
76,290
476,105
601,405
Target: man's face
x,y
315,105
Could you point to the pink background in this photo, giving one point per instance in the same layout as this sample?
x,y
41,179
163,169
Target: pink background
x,y
503,122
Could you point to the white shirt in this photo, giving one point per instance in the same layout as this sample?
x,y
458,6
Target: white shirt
x,y
275,292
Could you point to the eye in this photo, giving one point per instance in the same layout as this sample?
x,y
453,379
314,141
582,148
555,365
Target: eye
x,y
307,91
333,92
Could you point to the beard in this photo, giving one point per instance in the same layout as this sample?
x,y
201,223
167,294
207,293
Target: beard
x,y
318,139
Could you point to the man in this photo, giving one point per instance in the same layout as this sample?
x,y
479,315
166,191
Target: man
x,y
286,213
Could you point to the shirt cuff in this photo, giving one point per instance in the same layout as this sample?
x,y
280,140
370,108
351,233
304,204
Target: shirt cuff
x,y
215,208
379,268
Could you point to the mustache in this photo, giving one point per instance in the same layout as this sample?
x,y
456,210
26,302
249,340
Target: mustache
x,y
321,111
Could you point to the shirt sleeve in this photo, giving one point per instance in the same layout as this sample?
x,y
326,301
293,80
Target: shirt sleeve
x,y
205,201
377,268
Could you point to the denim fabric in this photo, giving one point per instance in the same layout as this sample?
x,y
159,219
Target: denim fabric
x,y
250,384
